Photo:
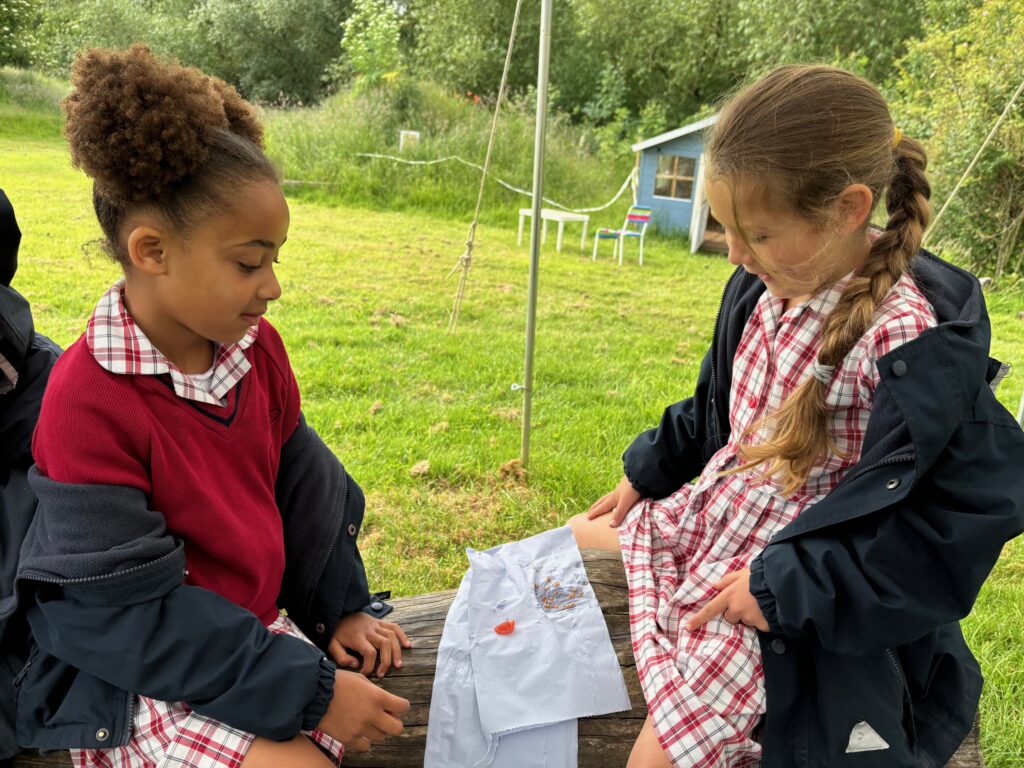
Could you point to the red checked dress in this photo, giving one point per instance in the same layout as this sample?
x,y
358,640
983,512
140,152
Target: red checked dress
x,y
705,689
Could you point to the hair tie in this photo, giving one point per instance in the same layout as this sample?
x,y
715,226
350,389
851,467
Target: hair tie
x,y
822,373
897,135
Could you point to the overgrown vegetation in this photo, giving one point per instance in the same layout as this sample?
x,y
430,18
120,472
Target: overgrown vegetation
x,y
948,66
323,144
952,86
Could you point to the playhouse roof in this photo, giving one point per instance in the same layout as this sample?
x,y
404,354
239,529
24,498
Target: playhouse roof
x,y
661,138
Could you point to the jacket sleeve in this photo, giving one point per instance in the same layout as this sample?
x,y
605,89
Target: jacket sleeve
x,y
19,409
322,511
890,577
114,605
660,460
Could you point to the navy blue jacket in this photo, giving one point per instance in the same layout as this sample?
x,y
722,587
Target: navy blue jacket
x,y
864,591
102,584
32,356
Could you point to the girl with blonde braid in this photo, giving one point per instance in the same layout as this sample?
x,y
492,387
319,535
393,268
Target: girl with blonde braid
x,y
798,603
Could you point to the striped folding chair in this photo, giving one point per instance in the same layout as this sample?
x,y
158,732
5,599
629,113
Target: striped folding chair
x,y
635,225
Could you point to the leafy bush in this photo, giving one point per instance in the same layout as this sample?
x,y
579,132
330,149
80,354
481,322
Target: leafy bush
x,y
31,90
953,85
371,41
16,17
271,50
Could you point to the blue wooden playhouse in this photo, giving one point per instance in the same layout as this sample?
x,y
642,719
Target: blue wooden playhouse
x,y
669,182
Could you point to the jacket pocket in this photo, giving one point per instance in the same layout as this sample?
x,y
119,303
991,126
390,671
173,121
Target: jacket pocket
x,y
59,707
865,712
908,704
33,653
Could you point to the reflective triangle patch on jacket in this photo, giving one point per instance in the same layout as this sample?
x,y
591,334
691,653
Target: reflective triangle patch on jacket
x,y
863,738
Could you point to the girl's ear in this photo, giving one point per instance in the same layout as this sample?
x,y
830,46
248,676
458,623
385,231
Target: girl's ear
x,y
147,249
853,207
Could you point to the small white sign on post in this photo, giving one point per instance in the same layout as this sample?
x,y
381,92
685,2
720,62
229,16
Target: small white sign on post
x,y
407,139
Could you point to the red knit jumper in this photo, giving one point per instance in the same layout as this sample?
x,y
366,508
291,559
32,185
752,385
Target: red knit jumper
x,y
210,470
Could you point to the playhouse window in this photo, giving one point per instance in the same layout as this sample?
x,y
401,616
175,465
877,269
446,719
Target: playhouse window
x,y
674,177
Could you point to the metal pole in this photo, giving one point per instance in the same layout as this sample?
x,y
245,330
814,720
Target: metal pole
x,y
538,190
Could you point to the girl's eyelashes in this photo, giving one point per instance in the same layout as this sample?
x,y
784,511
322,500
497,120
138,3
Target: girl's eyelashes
x,y
250,268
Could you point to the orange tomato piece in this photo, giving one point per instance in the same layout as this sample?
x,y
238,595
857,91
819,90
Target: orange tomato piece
x,y
506,627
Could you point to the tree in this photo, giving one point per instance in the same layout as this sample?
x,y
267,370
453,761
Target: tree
x,y
16,17
681,53
790,31
952,86
271,50
461,44
371,39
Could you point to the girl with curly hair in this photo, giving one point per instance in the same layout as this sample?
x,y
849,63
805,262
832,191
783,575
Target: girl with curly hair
x,y
192,529
798,603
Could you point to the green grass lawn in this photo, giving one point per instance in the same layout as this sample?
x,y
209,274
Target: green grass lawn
x,y
426,421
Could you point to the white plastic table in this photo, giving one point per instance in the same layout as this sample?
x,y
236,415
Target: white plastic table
x,y
551,214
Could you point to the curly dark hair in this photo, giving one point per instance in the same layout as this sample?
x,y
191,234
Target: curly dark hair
x,y
160,135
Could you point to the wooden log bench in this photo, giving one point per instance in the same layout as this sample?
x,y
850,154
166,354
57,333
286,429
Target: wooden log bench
x,y
604,742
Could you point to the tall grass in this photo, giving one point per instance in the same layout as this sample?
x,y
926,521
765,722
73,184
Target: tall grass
x,y
319,147
29,103
323,143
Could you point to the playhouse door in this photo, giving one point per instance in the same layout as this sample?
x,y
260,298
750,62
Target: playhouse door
x,y
699,217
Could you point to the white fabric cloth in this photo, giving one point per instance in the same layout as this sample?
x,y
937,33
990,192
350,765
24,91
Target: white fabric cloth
x,y
511,699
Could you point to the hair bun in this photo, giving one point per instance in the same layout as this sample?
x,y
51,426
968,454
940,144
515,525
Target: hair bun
x,y
139,126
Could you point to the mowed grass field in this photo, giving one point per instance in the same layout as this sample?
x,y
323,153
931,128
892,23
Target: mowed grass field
x,y
427,421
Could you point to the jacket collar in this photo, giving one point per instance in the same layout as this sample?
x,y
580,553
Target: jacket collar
x,y
10,238
955,354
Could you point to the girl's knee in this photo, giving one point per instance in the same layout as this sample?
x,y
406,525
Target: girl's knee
x,y
594,534
576,521
300,752
647,751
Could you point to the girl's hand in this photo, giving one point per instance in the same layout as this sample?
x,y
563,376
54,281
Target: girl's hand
x,y
618,502
360,712
379,642
734,602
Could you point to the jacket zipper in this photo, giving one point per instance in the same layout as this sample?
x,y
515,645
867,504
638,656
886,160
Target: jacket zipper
x,y
908,703
895,665
714,348
133,705
20,677
28,574
337,533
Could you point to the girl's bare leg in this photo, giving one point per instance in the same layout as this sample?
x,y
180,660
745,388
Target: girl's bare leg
x,y
594,534
647,752
300,752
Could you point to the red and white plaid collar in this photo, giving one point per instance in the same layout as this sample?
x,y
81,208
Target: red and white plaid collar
x,y
821,304
120,346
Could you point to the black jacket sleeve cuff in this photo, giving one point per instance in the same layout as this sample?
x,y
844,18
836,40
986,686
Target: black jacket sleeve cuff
x,y
317,708
639,487
765,599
